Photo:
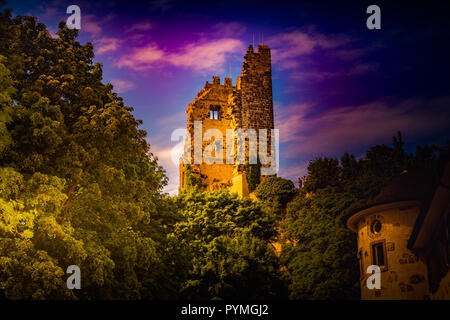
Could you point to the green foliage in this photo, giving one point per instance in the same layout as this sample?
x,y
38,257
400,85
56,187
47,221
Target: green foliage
x,y
6,105
226,239
276,191
27,210
318,251
322,172
78,184
253,175
191,179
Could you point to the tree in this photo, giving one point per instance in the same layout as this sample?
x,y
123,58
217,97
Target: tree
x,y
6,105
227,241
318,251
69,147
275,193
322,172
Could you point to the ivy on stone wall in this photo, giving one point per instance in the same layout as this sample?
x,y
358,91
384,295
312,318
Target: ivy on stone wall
x,y
253,175
190,178
194,178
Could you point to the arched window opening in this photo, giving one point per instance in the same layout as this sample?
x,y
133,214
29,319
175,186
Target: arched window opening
x,y
214,113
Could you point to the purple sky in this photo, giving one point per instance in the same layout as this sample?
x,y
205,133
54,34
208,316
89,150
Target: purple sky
x,y
338,87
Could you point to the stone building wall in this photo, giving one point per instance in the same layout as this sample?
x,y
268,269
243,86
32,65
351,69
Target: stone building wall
x,y
443,292
255,83
213,96
256,90
405,275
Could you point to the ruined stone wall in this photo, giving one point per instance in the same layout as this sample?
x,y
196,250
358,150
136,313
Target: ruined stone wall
x,y
213,95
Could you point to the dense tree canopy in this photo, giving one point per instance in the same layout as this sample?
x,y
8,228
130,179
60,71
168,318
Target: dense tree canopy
x,y
276,189
69,150
227,239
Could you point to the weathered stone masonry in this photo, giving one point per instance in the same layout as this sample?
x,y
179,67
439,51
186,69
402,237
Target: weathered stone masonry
x,y
248,105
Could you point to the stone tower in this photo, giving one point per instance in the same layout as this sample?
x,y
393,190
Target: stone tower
x,y
255,85
221,109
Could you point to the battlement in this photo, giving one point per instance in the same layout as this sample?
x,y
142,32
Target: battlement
x,y
263,50
228,82
215,80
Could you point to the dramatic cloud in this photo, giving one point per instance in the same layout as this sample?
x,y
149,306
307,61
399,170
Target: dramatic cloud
x,y
201,57
208,56
287,47
142,58
90,24
164,156
355,127
166,150
106,44
173,121
313,56
93,25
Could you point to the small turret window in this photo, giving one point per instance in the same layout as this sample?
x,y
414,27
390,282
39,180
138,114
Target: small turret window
x,y
379,254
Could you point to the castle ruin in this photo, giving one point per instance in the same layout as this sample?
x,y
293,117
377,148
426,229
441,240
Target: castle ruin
x,y
224,107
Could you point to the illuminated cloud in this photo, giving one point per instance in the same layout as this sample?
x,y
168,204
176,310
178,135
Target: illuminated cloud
x,y
142,58
106,44
173,120
90,24
121,85
93,25
207,56
201,57
164,156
